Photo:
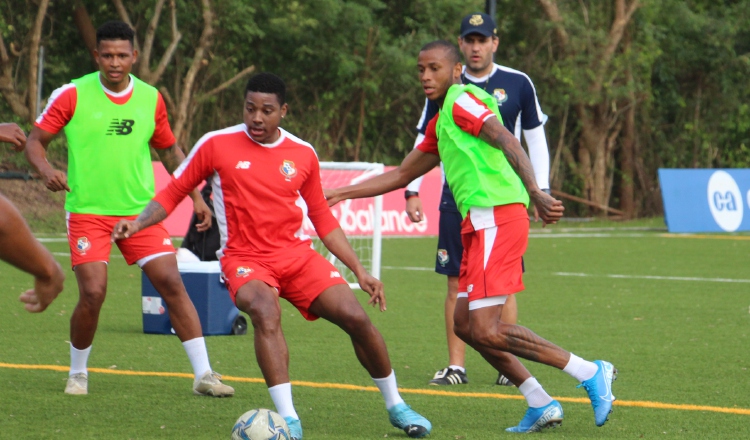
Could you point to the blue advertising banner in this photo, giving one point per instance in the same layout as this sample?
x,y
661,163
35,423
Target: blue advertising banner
x,y
706,200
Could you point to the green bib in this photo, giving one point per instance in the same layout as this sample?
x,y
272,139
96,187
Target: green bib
x,y
477,173
109,162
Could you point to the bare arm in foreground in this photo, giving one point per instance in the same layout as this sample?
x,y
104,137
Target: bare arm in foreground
x,y
19,248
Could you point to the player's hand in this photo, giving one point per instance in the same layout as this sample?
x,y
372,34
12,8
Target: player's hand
x,y
55,180
374,287
414,209
548,208
44,291
203,212
536,214
12,133
124,229
331,196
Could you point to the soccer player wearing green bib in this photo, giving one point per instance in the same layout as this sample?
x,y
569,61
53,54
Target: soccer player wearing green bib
x,y
493,182
110,119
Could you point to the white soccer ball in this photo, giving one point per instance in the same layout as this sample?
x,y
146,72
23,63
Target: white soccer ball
x,y
260,424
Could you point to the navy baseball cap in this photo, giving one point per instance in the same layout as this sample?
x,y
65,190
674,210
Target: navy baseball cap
x,y
478,23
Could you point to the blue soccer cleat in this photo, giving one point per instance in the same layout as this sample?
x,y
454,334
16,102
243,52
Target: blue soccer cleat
x,y
599,388
413,424
537,419
295,428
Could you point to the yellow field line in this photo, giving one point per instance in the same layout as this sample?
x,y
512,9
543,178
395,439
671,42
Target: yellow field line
x,y
707,237
339,386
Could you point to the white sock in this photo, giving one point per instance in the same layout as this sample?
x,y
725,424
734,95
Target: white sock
x,y
389,389
78,360
198,355
580,369
534,393
456,367
282,398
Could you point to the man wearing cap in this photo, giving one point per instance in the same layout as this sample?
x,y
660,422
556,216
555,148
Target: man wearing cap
x,y
516,98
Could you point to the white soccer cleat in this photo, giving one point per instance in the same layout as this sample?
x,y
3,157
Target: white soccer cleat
x,y
77,384
210,385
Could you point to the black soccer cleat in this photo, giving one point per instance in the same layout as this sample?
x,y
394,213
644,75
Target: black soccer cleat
x,y
449,376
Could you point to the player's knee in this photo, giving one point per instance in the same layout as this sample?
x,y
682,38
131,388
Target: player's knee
x,y
489,336
461,329
92,295
354,321
263,309
168,284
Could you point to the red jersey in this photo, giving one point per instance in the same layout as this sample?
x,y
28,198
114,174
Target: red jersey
x,y
62,104
261,191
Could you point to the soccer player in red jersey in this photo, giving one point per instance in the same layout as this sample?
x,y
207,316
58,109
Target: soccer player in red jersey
x,y
265,180
110,119
520,111
493,182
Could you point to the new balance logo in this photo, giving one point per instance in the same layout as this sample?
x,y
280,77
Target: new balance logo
x,y
166,242
335,274
243,165
120,127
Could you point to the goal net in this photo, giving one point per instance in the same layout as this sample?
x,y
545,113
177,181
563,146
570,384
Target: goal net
x,y
359,218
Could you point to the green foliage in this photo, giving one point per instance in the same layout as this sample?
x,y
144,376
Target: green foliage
x,y
322,53
700,85
353,90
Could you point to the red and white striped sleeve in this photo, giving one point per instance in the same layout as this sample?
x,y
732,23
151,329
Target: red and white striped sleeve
x,y
59,110
469,113
318,210
429,142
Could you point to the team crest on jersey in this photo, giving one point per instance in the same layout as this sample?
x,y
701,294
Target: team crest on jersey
x,y
476,20
243,271
500,96
83,244
442,256
288,170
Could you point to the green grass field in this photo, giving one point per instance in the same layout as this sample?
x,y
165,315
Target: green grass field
x,y
672,314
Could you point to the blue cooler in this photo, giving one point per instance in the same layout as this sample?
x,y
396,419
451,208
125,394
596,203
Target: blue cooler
x,y
217,313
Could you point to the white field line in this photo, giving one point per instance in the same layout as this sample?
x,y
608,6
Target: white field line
x,y
549,235
574,274
431,269
588,235
652,277
67,254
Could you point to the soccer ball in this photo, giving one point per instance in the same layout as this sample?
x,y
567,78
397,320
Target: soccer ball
x,y
260,424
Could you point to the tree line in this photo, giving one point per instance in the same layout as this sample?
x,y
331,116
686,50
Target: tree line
x,y
629,85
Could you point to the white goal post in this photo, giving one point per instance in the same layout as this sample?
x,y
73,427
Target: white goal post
x,y
360,219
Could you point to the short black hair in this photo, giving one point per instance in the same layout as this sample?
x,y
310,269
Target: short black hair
x,y
267,83
115,30
454,56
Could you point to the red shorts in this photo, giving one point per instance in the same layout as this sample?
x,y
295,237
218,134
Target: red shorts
x,y
492,263
89,237
299,277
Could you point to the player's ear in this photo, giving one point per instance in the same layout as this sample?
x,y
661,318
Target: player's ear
x,y
457,70
284,109
495,43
